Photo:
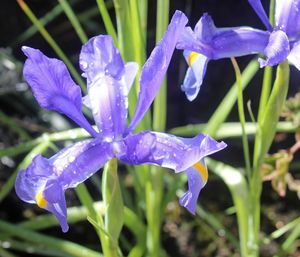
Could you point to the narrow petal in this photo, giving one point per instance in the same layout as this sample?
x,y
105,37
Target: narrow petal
x,y
45,180
53,87
258,8
166,150
294,56
195,73
277,49
216,43
287,17
156,67
197,178
109,81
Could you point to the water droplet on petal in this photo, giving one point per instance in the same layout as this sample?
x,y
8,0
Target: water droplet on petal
x,y
84,65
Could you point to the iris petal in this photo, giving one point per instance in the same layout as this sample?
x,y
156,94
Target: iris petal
x,y
53,87
195,73
168,151
294,56
277,49
109,81
179,154
197,178
99,56
156,67
287,17
45,180
216,43
258,8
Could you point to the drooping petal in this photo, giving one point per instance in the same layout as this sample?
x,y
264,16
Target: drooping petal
x,y
53,86
76,163
195,73
216,43
156,67
166,150
109,82
287,17
258,8
294,56
277,49
45,180
31,183
197,178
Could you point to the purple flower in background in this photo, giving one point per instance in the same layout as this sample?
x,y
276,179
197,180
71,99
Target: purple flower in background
x,y
207,42
108,82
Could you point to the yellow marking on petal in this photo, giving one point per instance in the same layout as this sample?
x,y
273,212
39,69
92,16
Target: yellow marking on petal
x,y
192,58
202,170
40,200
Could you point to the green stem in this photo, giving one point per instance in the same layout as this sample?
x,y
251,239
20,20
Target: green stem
x,y
114,215
14,126
74,21
47,241
232,129
263,140
52,43
265,92
242,116
154,187
107,21
224,108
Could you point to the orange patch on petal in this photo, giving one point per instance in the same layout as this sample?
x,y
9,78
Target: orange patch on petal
x,y
202,170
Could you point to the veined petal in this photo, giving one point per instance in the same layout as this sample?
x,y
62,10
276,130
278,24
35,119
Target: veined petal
x,y
109,81
287,17
197,178
258,8
277,49
53,87
45,180
166,150
216,43
294,56
156,67
195,73
99,56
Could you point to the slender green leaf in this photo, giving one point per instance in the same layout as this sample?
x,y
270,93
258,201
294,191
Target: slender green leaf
x,y
224,108
242,115
74,21
107,20
231,129
47,241
238,187
112,198
13,126
52,43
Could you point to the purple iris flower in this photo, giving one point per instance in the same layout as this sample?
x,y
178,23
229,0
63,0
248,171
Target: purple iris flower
x,y
207,42
108,82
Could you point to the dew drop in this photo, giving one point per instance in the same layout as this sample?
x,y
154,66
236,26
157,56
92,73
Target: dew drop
x,y
84,65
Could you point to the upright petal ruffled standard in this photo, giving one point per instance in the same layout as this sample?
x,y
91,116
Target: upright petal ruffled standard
x,y
107,82
156,67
